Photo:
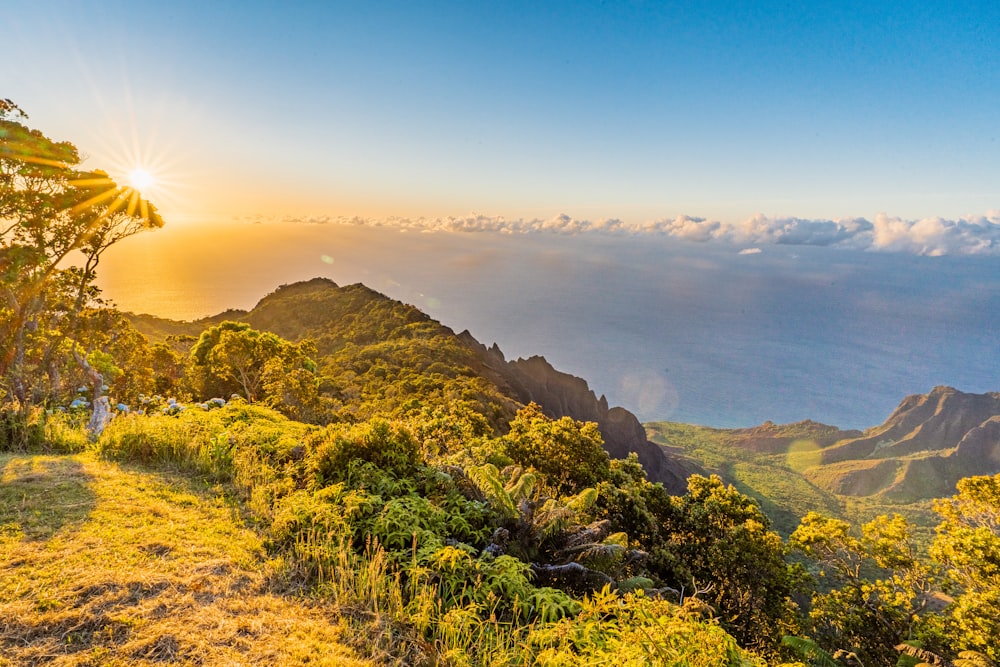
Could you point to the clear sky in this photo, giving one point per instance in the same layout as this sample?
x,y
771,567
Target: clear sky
x,y
635,111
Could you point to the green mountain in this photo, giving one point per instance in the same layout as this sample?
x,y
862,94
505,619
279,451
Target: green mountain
x,y
382,351
918,454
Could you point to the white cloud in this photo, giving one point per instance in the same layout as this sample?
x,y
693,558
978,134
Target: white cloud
x,y
750,251
973,235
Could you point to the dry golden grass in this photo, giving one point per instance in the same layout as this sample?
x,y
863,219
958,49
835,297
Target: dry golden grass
x,y
106,565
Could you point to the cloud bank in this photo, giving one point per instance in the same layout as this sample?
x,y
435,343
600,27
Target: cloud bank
x,y
973,235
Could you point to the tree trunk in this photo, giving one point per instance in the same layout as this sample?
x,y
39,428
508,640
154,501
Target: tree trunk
x,y
100,408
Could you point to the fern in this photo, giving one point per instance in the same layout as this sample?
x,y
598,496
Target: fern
x,y
487,480
809,650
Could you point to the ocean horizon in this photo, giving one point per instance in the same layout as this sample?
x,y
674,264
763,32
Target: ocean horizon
x,y
713,334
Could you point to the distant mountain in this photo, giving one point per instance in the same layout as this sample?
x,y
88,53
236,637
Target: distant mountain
x,y
365,335
928,443
921,451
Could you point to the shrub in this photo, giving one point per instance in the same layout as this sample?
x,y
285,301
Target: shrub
x,y
569,453
388,446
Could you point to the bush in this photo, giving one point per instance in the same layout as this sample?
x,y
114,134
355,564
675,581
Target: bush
x,y
37,430
569,453
388,446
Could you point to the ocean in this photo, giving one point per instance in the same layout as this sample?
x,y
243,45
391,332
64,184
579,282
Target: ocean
x,y
670,329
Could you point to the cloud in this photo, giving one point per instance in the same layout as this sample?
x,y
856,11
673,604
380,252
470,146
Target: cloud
x,y
972,235
750,251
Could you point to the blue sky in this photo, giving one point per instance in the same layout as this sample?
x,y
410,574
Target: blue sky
x,y
636,111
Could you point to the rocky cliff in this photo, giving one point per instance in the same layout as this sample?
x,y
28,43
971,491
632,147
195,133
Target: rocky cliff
x,y
560,394
925,446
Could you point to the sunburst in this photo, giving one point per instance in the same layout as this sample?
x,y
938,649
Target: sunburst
x,y
140,158
141,180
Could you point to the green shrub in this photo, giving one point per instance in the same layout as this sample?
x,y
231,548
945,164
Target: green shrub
x,y
570,454
314,527
389,446
21,430
38,430
66,432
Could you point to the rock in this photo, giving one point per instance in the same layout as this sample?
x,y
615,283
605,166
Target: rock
x,y
571,577
563,395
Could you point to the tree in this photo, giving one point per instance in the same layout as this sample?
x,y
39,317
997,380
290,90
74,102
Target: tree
x,y
720,541
232,358
873,591
568,453
968,545
52,212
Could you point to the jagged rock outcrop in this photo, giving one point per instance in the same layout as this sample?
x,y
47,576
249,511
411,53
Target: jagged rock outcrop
x,y
563,395
925,446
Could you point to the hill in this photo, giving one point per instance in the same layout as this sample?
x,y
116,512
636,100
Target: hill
x,y
921,451
759,462
377,349
918,454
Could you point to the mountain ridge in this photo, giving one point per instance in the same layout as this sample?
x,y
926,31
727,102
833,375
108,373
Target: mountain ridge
x,y
918,454
923,448
336,317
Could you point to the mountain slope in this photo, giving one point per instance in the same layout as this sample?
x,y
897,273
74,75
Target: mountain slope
x,y
760,462
925,446
377,348
918,454
936,421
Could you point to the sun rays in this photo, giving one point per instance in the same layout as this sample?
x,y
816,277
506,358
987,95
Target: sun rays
x,y
141,180
139,149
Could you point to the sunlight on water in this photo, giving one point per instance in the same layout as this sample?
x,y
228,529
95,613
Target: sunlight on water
x,y
649,393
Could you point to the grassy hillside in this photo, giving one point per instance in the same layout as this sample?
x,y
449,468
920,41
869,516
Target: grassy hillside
x,y
777,465
379,494
104,564
243,537
374,354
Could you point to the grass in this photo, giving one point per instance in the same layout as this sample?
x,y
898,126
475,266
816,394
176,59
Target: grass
x,y
102,564
109,564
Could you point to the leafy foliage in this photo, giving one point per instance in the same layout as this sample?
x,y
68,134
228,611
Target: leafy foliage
x,y
968,544
719,539
566,452
49,211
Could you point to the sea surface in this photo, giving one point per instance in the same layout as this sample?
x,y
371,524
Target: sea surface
x,y
670,329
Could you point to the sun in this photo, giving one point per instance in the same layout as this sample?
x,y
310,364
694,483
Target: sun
x,y
140,179
140,159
